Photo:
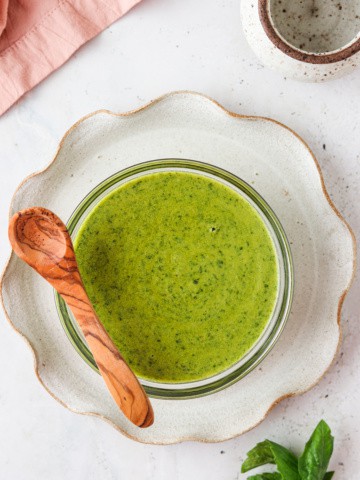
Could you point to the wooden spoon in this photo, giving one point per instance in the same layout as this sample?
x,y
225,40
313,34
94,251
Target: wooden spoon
x,y
41,239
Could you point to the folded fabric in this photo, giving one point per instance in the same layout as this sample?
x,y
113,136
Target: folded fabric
x,y
38,36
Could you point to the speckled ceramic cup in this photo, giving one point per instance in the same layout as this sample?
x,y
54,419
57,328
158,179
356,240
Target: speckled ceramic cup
x,y
311,40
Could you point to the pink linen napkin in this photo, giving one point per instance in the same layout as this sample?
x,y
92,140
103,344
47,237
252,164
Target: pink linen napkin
x,y
38,36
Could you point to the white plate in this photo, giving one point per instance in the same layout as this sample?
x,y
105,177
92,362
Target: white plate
x,y
281,167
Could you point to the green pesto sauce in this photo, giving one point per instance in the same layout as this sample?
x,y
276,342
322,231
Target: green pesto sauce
x,y
181,271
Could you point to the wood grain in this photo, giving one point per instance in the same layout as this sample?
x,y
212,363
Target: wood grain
x,y
41,239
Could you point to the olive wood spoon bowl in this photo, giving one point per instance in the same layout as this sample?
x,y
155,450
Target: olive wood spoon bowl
x,y
41,239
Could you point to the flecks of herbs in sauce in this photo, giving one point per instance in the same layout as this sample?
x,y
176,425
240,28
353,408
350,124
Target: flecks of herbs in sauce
x,y
182,273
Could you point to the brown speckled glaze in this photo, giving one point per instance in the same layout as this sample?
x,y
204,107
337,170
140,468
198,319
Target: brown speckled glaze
x,y
187,106
296,52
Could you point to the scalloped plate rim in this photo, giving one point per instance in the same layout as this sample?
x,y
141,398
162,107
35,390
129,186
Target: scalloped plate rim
x,y
232,114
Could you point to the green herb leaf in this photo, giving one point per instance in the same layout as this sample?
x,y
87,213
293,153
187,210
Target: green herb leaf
x,y
261,454
329,475
266,476
286,462
271,452
316,456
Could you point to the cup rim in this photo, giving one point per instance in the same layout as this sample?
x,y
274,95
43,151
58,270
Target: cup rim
x,y
274,36
277,322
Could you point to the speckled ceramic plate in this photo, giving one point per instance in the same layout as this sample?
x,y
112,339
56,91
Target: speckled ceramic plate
x,y
281,167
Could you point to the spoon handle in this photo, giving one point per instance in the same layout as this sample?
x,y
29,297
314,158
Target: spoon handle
x,y
120,380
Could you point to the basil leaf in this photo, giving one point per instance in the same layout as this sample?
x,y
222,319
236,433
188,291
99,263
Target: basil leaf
x,y
271,452
266,476
261,454
286,461
329,475
316,456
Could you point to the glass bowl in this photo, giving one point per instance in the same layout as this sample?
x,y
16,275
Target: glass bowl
x,y
285,272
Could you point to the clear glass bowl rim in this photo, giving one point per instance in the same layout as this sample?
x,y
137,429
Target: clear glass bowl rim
x,y
211,384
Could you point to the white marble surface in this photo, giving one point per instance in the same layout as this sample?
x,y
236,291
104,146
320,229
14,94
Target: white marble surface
x,y
165,45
